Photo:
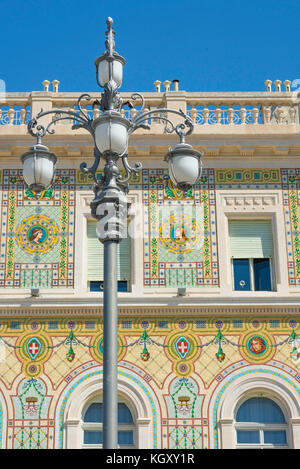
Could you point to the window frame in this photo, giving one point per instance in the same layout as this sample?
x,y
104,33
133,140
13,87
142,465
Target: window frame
x,y
251,275
129,281
95,426
260,427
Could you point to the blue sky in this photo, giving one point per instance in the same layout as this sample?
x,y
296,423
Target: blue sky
x,y
215,45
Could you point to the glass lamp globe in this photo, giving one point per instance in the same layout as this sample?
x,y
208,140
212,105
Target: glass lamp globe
x,y
185,165
111,133
38,168
110,68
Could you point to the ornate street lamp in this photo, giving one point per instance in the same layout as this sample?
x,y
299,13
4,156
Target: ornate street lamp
x,y
110,133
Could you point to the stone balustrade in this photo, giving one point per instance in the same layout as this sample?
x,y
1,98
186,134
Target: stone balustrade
x,y
15,111
205,109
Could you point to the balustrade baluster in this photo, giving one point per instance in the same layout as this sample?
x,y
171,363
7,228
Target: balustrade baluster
x,y
266,114
206,115
133,113
243,115
255,114
96,112
292,113
218,114
230,114
11,115
280,114
22,116
193,114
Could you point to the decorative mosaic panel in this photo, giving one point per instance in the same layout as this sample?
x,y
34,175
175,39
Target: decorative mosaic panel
x,y
37,236
31,428
286,180
291,203
47,358
180,232
180,246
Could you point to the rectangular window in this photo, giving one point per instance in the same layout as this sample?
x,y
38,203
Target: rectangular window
x,y
90,324
275,437
248,436
163,324
251,250
15,325
96,261
274,323
200,324
237,324
53,325
98,286
126,324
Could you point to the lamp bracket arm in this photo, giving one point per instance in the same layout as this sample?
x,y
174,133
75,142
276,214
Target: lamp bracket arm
x,y
82,119
129,169
134,97
93,169
161,113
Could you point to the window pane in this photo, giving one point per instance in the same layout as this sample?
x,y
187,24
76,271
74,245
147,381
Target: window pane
x,y
94,413
98,285
262,275
92,438
247,436
125,437
261,410
124,414
241,273
276,437
95,438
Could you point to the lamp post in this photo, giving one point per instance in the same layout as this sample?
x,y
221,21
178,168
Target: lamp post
x,y
110,133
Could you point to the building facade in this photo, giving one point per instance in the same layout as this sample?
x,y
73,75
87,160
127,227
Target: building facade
x,y
209,281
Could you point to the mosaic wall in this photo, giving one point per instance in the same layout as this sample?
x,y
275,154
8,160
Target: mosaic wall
x,y
37,238
180,232
180,363
180,247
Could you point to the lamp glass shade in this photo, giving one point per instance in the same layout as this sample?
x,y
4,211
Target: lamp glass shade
x,y
184,169
184,166
104,72
111,133
38,168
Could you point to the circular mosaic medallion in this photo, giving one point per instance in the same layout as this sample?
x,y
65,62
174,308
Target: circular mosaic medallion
x,y
183,369
97,348
257,347
255,324
32,370
180,233
37,234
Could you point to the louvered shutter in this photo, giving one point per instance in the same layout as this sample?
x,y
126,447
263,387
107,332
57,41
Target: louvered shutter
x,y
96,257
250,239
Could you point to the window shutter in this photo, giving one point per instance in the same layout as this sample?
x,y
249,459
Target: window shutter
x,y
96,256
250,239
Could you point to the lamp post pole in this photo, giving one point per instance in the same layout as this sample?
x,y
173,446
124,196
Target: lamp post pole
x,y
110,133
110,351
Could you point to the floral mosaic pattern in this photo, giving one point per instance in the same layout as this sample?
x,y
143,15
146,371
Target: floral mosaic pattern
x,y
180,246
180,232
37,235
181,420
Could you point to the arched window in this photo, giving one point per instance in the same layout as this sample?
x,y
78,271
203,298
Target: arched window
x,y
260,423
92,426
